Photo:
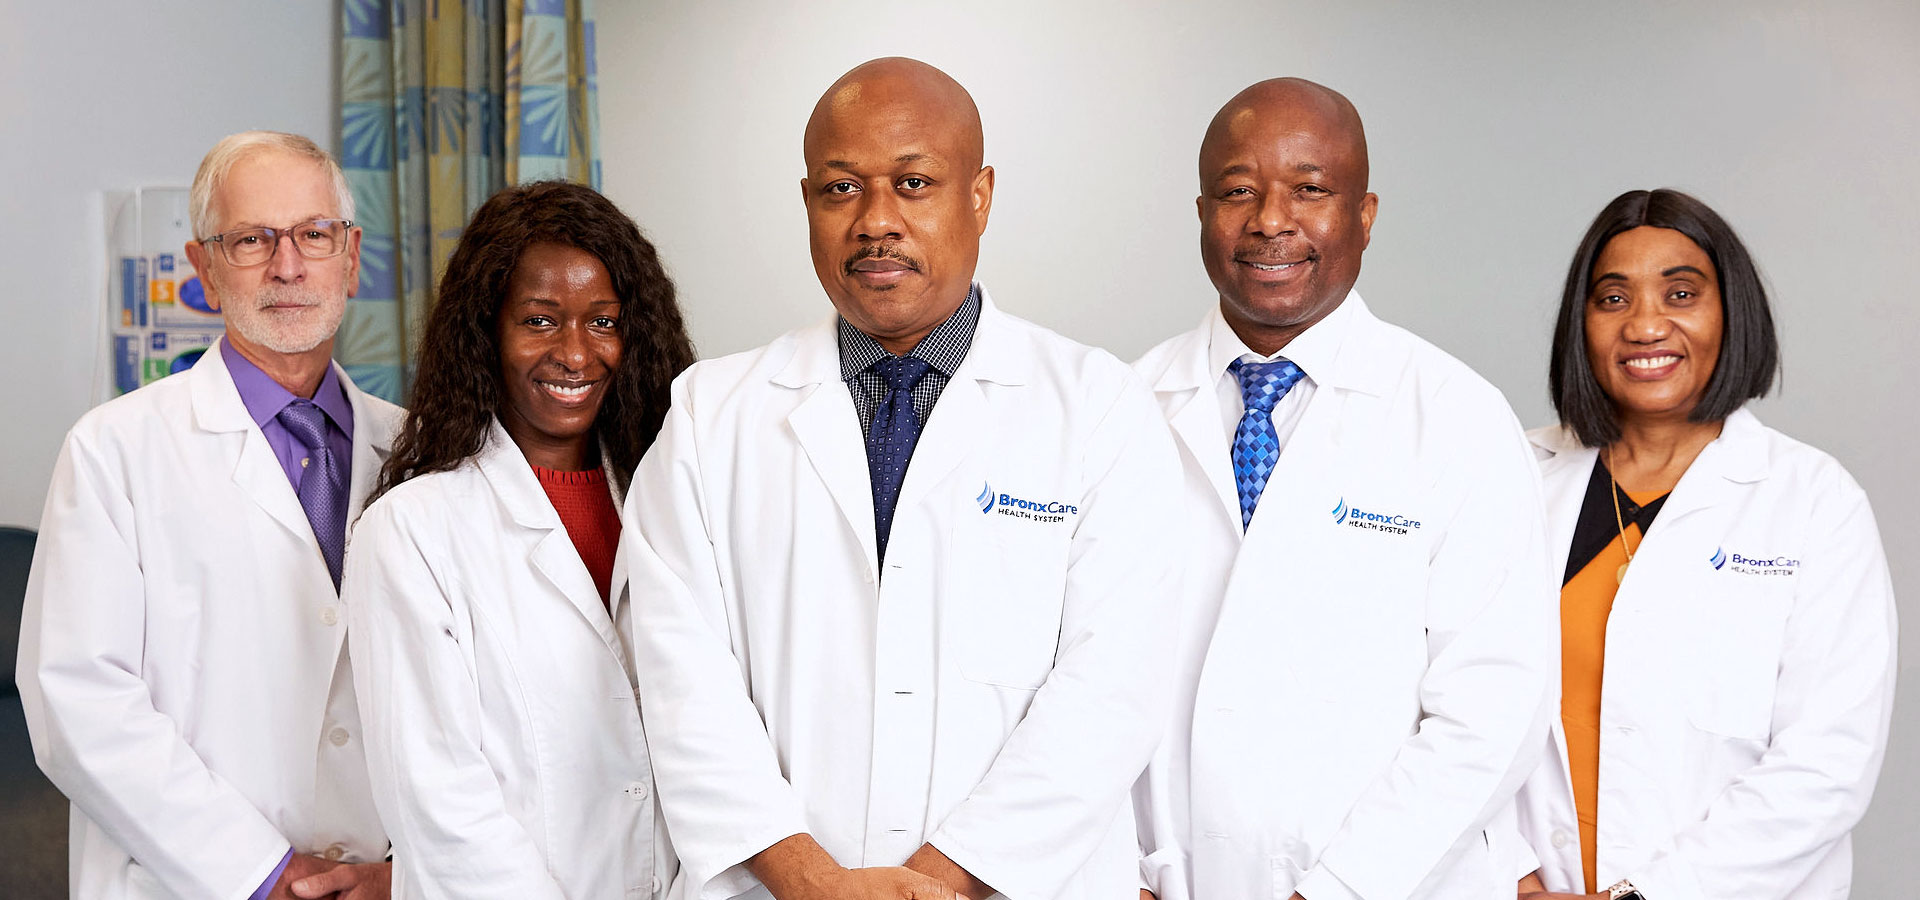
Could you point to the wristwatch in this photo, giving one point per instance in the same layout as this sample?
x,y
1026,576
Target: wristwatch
x,y
1624,890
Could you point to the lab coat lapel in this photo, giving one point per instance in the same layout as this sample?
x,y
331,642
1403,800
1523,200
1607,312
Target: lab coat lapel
x,y
1563,479
372,441
1718,476
553,554
1310,467
954,428
1193,410
828,430
962,419
217,408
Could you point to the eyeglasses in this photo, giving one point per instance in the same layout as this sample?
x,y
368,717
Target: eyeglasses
x,y
248,247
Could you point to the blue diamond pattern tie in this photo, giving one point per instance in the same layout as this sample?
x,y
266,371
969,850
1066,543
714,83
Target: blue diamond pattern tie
x,y
323,484
1255,446
890,439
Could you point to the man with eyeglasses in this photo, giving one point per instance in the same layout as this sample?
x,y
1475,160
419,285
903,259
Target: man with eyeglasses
x,y
182,659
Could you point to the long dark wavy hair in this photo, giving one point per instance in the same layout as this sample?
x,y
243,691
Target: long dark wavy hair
x,y
456,388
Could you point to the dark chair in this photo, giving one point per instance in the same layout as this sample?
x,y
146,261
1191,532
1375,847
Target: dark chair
x,y
16,557
33,814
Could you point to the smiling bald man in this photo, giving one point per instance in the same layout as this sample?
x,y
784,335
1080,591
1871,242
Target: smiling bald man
x,y
1366,662
894,575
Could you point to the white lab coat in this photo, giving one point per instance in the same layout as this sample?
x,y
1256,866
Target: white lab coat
x,y
1744,712
183,656
992,694
1359,703
503,738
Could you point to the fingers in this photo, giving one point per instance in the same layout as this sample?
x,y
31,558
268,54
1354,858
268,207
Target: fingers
x,y
923,887
332,881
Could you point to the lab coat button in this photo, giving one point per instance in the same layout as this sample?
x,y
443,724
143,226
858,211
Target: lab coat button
x,y
337,737
637,791
653,884
1560,840
329,615
334,852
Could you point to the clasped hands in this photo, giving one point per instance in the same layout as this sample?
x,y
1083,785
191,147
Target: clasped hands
x,y
317,878
1531,888
797,868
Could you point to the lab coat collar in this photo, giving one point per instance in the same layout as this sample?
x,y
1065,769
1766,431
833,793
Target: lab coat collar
x,y
1334,352
1740,454
218,409
217,406
992,357
553,555
828,428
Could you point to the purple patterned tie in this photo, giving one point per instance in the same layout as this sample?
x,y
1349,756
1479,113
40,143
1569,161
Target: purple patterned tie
x,y
1256,448
323,485
890,440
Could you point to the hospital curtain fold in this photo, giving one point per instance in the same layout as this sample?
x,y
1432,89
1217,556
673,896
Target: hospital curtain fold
x,y
441,105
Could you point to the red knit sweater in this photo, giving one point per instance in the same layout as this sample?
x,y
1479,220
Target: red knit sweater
x,y
586,509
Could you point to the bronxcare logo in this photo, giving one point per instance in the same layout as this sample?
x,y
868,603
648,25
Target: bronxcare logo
x,y
1355,517
1019,508
1776,566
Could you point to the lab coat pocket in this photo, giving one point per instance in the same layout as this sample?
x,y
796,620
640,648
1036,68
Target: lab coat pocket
x,y
1009,615
1740,629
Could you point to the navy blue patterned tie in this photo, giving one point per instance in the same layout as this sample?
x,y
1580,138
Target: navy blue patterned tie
x,y
890,439
323,484
1256,448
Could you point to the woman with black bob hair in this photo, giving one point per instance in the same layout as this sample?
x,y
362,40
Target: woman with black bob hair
x,y
1727,621
503,737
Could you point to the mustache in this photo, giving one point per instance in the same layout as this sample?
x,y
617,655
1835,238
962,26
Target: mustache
x,y
286,295
1273,253
879,251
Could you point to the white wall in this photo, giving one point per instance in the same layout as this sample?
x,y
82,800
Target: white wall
x,y
98,96
1497,132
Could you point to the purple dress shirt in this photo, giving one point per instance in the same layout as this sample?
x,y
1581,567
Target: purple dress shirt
x,y
264,398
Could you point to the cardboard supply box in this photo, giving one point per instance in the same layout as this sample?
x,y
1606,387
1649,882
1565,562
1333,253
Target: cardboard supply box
x,y
177,297
173,352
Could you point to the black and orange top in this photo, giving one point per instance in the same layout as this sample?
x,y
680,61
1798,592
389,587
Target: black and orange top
x,y
1587,589
586,509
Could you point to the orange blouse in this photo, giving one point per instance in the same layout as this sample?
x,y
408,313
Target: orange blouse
x,y
1585,602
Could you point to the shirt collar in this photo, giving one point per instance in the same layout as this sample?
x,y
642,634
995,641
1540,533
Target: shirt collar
x,y
1312,350
265,398
944,348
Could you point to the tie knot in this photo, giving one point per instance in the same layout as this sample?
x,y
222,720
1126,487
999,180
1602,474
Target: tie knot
x,y
1263,384
901,372
307,423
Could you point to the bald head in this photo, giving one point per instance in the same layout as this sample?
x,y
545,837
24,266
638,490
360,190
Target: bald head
x,y
896,197
895,87
1307,104
1284,209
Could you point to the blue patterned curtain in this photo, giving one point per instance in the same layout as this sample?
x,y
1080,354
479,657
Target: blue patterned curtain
x,y
441,104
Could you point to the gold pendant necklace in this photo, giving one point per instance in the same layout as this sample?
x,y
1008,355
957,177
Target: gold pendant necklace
x,y
1618,521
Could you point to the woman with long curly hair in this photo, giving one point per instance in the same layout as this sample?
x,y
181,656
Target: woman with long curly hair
x,y
504,739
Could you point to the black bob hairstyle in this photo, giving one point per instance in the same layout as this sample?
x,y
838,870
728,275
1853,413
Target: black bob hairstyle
x,y
456,388
1749,350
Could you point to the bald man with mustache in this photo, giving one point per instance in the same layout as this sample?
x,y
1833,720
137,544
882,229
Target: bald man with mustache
x,y
894,574
1367,647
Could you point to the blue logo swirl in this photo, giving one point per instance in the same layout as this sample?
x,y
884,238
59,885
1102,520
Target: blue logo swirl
x,y
986,498
1719,557
1340,512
